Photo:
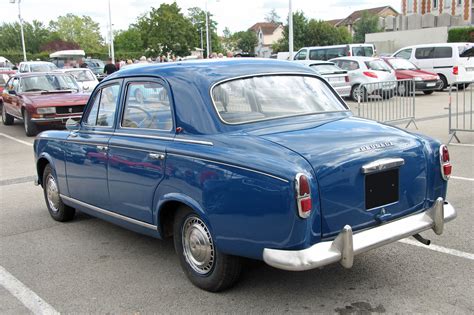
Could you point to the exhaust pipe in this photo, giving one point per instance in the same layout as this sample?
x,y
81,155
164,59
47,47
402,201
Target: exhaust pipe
x,y
421,239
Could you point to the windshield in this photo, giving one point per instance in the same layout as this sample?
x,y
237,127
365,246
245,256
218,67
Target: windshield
x,y
46,67
467,52
82,75
326,69
48,82
377,65
269,97
401,64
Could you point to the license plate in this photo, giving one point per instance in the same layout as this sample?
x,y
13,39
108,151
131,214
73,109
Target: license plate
x,y
470,69
381,188
335,79
430,84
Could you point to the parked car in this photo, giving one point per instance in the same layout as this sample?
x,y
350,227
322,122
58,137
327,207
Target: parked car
x,y
97,66
425,81
4,76
84,77
42,99
329,52
451,61
244,158
36,66
337,77
366,70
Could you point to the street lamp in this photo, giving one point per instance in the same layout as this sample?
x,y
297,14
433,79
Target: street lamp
x,y
111,37
207,31
290,30
21,29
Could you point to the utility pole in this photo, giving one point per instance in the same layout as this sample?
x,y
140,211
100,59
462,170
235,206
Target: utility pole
x,y
207,32
290,30
111,36
21,29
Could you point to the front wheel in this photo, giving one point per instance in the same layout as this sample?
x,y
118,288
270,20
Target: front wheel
x,y
204,265
6,118
57,209
31,129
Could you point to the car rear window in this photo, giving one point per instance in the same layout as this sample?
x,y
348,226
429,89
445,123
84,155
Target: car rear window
x,y
377,65
327,69
261,98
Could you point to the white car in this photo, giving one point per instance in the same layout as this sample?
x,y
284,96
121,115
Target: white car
x,y
84,77
363,70
451,61
36,66
336,77
329,52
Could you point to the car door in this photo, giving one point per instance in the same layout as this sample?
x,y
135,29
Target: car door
x,y
87,152
137,150
12,99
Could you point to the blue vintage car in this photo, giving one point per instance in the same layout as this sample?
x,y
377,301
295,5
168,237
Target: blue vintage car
x,y
243,158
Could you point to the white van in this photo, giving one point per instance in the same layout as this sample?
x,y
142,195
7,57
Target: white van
x,y
330,52
451,61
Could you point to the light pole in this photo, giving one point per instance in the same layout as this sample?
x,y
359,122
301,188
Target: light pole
x,y
21,29
290,30
111,37
207,32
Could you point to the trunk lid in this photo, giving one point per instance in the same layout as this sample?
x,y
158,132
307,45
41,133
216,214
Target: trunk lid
x,y
337,150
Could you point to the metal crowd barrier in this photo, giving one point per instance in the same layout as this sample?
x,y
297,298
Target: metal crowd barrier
x,y
388,102
460,109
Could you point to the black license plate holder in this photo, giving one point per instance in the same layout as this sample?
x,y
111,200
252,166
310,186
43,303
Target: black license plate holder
x,y
381,188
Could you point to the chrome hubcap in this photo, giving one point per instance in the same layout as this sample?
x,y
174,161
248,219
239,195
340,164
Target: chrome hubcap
x,y
198,247
52,193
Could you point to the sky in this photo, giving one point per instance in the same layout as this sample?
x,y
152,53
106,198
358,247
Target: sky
x,y
237,15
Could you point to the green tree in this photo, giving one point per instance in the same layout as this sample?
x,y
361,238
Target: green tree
x,y
82,30
272,17
300,25
197,17
36,34
245,40
321,33
128,40
167,30
368,23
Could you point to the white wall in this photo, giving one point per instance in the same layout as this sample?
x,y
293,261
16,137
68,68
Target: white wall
x,y
389,42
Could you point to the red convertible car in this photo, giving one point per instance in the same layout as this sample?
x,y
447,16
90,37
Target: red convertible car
x,y
426,82
42,99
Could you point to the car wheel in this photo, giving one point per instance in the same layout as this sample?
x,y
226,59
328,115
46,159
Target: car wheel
x,y
6,118
444,81
204,265
428,92
356,91
31,129
57,209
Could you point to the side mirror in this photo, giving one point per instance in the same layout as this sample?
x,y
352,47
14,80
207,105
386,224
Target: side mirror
x,y
12,92
72,124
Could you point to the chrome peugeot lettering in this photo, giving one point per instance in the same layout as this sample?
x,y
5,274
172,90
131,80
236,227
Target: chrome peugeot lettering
x,y
376,146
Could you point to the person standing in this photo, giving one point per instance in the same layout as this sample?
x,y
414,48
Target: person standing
x,y
109,67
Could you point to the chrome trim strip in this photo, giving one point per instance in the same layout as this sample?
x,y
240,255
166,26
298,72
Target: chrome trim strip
x,y
230,165
135,149
382,165
109,213
45,119
194,141
95,132
94,144
164,138
348,244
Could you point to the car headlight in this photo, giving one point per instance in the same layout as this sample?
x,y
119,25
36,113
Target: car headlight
x,y
418,79
46,110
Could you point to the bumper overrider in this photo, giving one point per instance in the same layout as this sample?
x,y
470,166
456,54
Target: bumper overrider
x,y
346,245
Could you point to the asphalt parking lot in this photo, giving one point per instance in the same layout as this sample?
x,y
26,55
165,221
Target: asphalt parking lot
x,y
90,266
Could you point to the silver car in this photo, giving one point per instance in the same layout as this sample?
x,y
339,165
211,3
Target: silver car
x,y
337,77
363,70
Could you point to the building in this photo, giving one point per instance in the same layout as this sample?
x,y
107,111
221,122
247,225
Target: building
x,y
462,10
349,21
268,33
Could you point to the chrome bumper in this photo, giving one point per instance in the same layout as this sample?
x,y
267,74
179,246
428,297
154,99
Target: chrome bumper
x,y
346,245
61,119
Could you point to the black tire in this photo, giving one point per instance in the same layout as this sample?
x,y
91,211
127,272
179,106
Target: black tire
x,y
7,119
445,82
354,93
57,209
428,92
216,271
31,129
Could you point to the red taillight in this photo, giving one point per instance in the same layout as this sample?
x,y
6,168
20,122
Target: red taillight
x,y
303,196
446,167
346,78
370,74
455,70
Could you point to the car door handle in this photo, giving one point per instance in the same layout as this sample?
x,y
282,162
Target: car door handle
x,y
157,156
102,148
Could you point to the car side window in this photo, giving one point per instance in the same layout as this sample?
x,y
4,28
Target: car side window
x,y
16,85
405,54
443,52
424,53
317,54
147,106
301,55
102,113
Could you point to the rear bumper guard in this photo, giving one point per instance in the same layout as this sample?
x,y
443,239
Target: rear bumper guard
x,y
346,245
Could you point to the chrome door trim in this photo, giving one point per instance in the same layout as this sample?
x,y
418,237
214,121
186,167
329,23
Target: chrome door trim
x,y
109,213
382,165
230,165
134,149
133,135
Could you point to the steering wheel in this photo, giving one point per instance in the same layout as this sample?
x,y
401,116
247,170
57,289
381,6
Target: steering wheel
x,y
148,117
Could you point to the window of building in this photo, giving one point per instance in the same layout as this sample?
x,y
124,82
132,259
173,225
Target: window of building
x,y
435,4
410,6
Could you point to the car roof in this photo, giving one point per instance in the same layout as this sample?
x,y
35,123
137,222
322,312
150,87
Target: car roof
x,y
36,62
438,45
314,62
356,58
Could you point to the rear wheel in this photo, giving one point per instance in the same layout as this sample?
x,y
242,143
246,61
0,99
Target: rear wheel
x,y
6,118
358,91
31,129
57,209
428,92
444,81
205,266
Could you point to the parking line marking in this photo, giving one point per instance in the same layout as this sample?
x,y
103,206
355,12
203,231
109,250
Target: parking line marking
x,y
462,144
463,178
27,297
17,140
441,249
